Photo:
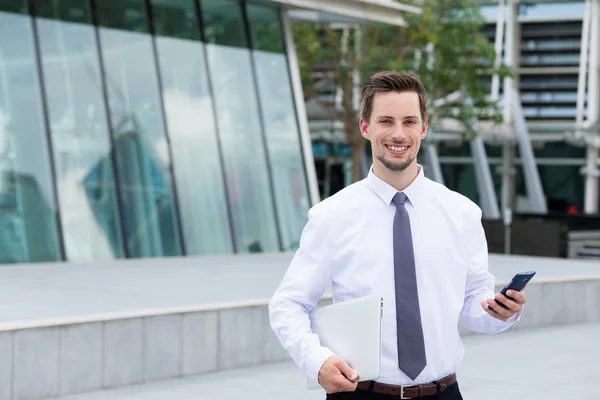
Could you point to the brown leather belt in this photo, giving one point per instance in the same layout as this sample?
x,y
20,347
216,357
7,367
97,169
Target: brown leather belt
x,y
408,392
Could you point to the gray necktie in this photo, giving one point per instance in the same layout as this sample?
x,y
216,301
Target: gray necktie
x,y
411,345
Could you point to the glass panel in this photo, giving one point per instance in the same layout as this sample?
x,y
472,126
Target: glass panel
x,y
239,125
549,97
549,59
461,178
192,131
551,45
175,19
563,9
549,112
28,231
129,15
80,137
15,6
141,146
279,116
560,150
265,29
489,12
223,23
563,187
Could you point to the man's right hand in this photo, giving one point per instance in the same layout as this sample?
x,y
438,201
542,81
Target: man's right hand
x,y
336,376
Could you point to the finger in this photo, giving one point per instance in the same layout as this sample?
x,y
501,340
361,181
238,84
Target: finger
x,y
518,297
487,308
508,303
347,385
347,371
497,311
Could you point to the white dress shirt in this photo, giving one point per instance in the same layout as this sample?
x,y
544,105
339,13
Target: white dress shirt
x,y
348,242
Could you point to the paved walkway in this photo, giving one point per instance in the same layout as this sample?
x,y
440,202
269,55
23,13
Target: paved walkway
x,y
70,291
543,364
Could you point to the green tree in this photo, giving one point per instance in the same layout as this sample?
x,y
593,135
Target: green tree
x,y
443,44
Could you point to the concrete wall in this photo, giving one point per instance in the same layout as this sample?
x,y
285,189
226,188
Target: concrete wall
x,y
48,361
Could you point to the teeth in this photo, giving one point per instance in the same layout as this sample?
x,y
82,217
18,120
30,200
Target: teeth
x,y
396,148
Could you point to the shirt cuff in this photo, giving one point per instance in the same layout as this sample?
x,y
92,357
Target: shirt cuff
x,y
316,360
501,326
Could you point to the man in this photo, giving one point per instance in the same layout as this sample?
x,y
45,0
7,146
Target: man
x,y
404,237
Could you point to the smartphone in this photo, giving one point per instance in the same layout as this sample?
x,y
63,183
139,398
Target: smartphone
x,y
517,283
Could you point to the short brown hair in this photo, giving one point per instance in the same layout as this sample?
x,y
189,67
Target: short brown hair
x,y
388,81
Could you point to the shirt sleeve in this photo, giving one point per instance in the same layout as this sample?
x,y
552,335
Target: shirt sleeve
x,y
480,282
302,287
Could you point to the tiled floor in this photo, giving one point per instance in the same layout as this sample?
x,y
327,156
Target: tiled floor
x,y
543,364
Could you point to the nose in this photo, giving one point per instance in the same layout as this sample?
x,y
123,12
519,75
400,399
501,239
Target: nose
x,y
398,134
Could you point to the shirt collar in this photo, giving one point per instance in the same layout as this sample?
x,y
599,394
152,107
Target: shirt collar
x,y
386,192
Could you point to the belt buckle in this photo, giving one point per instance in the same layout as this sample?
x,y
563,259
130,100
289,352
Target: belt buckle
x,y
402,394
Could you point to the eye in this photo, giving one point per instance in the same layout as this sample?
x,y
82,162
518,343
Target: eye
x,y
385,121
411,121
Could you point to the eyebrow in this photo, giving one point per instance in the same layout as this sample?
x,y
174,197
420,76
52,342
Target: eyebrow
x,y
390,117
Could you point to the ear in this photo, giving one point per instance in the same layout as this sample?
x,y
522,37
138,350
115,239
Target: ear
x,y
364,128
424,132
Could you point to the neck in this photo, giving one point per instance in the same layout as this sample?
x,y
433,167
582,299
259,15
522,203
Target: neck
x,y
399,180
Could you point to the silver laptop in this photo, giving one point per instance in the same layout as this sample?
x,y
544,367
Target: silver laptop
x,y
352,330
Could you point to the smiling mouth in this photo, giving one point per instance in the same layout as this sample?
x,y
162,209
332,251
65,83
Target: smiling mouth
x,y
397,149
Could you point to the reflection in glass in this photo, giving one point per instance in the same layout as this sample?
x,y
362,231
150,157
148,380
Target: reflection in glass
x,y
555,9
192,130
549,59
140,143
239,126
563,186
489,12
279,115
28,231
80,137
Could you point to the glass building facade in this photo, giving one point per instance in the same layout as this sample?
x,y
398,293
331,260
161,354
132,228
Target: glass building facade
x,y
146,128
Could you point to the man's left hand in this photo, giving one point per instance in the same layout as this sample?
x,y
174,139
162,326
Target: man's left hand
x,y
501,313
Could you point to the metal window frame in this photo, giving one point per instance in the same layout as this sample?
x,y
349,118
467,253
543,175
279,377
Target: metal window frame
x,y
298,93
284,22
171,168
211,91
48,131
111,133
261,115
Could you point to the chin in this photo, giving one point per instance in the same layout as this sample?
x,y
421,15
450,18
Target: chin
x,y
396,165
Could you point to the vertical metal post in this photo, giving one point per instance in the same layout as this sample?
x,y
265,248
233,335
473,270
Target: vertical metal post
x,y
171,167
530,171
263,128
508,174
511,55
483,176
114,158
583,63
498,46
60,239
211,91
434,167
593,114
511,59
309,161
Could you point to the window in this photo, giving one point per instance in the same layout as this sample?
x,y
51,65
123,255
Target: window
x,y
280,123
239,124
28,229
562,9
80,136
140,142
192,131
